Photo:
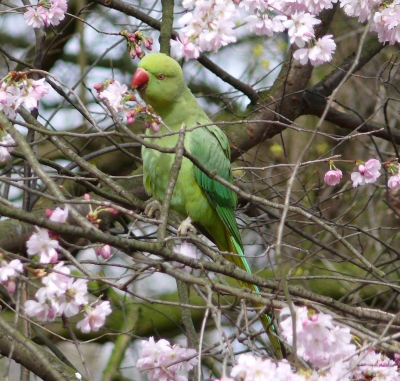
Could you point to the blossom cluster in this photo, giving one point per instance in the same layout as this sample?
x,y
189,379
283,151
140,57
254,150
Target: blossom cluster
x,y
46,13
134,43
323,344
207,28
43,242
62,294
318,341
209,25
9,272
117,95
326,347
367,173
162,362
17,89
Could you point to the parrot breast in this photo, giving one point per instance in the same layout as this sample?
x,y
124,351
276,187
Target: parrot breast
x,y
188,198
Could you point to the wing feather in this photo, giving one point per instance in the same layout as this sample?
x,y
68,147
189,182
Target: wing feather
x,y
211,147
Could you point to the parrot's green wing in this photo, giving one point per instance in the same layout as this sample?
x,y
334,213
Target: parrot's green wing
x,y
211,147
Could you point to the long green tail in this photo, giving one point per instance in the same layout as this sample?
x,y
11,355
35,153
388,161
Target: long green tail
x,y
266,320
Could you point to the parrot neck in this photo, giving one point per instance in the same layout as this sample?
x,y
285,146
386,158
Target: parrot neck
x,y
183,109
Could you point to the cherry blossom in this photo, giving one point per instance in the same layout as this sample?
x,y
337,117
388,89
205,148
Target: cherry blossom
x,y
265,25
74,297
114,93
38,88
251,368
46,14
386,23
6,146
368,173
36,18
184,48
187,250
10,269
8,272
318,340
394,181
309,6
61,295
56,282
56,12
155,355
316,52
25,91
94,318
7,100
208,27
42,311
375,366
333,177
42,244
59,215
104,251
301,27
356,8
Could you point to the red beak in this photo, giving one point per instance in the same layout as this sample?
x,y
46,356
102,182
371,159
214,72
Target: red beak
x,y
140,79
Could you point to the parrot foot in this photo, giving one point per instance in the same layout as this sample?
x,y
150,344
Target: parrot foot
x,y
186,226
152,207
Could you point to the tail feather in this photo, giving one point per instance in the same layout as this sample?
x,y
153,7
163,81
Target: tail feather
x,y
266,320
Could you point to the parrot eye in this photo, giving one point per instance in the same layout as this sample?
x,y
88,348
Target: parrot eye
x,y
161,77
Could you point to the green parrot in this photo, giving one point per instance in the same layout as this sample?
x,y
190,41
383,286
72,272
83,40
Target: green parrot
x,y
196,197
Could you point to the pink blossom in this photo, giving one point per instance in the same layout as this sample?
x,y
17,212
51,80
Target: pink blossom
x,y
184,48
376,366
221,34
356,8
251,368
11,285
39,88
95,317
59,215
333,177
155,355
104,251
188,251
368,173
394,182
311,6
386,23
57,12
322,51
115,95
8,99
265,25
57,281
74,297
6,146
41,244
252,6
10,270
208,27
42,311
301,27
319,341
36,17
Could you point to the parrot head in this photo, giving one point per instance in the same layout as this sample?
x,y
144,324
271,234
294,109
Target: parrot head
x,y
159,80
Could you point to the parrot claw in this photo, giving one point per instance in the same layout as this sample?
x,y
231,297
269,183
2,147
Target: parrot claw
x,y
186,226
152,207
